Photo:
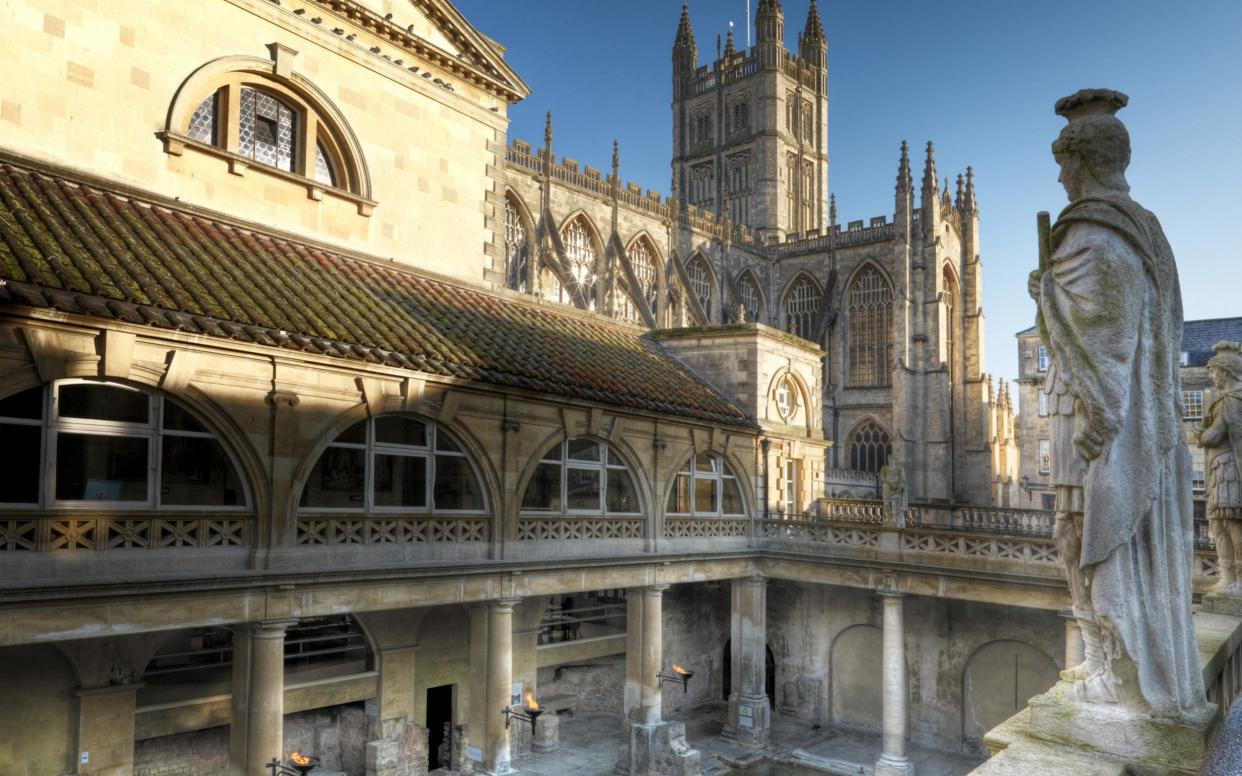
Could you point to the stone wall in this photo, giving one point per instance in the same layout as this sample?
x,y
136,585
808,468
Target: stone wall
x,y
598,683
696,627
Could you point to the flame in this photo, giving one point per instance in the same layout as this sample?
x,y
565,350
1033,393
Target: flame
x,y
528,700
680,670
297,758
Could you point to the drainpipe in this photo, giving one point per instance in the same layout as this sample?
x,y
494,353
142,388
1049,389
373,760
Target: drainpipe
x,y
765,444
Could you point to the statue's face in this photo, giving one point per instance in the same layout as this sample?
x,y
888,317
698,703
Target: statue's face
x,y
1072,172
1219,378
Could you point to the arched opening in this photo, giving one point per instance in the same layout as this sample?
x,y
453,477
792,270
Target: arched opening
x,y
581,261
517,245
642,258
701,283
856,668
870,447
769,673
998,681
582,476
750,297
802,307
950,322
706,485
870,307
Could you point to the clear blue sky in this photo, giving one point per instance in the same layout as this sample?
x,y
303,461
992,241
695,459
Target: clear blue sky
x,y
979,77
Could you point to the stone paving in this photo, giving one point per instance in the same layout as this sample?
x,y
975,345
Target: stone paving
x,y
590,743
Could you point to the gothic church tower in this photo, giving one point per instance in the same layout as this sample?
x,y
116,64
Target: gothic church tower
x,y
750,131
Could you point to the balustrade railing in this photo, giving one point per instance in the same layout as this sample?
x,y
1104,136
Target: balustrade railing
x,y
559,528
403,529
706,527
102,532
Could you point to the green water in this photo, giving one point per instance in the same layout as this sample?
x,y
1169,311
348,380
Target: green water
x,y
774,769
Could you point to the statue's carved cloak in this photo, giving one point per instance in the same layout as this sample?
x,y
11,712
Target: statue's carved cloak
x,y
1227,408
1111,315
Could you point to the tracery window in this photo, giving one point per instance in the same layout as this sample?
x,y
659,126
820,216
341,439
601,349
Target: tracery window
x,y
706,485
394,463
801,308
808,195
738,187
791,185
870,329
580,260
87,443
950,322
582,476
870,447
748,295
701,283
517,250
642,261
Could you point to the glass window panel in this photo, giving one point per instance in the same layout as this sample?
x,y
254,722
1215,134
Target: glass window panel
x,y
445,443
195,471
582,489
732,498
101,468
323,169
679,496
400,481
103,402
553,455
203,121
266,129
455,485
19,464
544,490
583,450
354,435
622,495
704,495
27,405
338,480
400,430
177,418
704,463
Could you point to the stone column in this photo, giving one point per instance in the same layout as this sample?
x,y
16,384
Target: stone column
x,y
651,702
893,760
499,684
106,729
750,710
1074,651
265,695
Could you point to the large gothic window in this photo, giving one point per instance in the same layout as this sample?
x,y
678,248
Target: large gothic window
x,y
701,283
642,261
582,476
394,463
801,308
84,443
749,297
870,447
706,485
517,249
870,300
950,321
580,260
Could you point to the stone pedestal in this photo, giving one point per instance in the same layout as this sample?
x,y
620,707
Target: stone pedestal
x,y
658,750
547,733
402,751
1216,603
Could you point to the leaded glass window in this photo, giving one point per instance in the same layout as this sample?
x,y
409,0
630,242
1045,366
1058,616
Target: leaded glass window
x,y
516,248
203,121
748,295
323,168
582,476
801,308
701,284
870,447
267,128
642,261
706,485
950,322
580,260
870,300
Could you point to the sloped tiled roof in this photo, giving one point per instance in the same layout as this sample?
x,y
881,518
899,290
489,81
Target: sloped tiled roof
x,y
1198,337
85,249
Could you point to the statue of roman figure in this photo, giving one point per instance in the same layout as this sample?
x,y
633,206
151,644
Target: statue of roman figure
x,y
1220,434
1110,315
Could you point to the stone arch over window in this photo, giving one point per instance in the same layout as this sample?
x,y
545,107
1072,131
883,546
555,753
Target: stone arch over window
x,y
260,112
952,306
706,485
644,260
395,463
582,251
997,681
802,301
750,296
870,446
869,305
582,475
519,230
702,282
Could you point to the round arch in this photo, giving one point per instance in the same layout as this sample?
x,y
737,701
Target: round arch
x,y
998,679
855,669
679,462
804,393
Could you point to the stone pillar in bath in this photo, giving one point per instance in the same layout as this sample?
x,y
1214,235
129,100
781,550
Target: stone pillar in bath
x,y
893,760
750,711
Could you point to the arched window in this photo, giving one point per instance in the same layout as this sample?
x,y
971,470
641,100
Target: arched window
x,y
517,250
701,283
870,329
749,297
801,308
870,447
394,463
582,476
580,258
627,308
642,261
78,443
706,485
950,322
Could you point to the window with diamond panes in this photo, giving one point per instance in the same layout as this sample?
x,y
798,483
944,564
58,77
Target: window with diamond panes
x,y
393,463
516,248
642,261
203,121
79,443
708,486
582,476
266,129
700,283
323,169
580,259
801,308
870,300
870,447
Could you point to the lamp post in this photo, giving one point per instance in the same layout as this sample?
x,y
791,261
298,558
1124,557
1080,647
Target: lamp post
x,y
1026,486
299,765
679,676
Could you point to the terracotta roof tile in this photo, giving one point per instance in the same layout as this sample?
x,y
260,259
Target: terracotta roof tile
x,y
84,249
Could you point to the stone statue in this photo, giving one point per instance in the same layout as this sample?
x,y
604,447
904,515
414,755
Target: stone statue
x,y
1110,315
893,491
1221,437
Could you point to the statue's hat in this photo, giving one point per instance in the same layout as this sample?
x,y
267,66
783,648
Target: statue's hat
x,y
1087,102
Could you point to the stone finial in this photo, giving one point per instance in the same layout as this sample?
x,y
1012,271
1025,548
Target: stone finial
x,y
929,170
832,209
960,199
814,32
730,47
547,130
971,204
685,33
904,180
616,159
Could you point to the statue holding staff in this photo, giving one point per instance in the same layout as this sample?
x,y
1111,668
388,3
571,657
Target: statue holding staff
x,y
1110,315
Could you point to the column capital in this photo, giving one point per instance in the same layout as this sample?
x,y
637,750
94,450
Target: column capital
x,y
756,580
503,604
889,594
271,629
656,589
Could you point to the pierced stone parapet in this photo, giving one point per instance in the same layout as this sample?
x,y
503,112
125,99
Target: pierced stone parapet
x,y
122,532
705,528
578,528
395,530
